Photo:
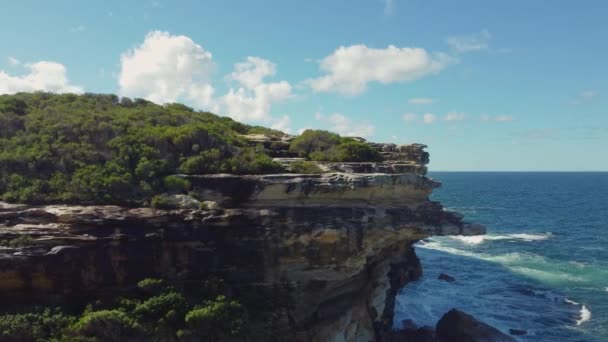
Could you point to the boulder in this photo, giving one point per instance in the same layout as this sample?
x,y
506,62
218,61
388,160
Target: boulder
x,y
457,326
518,332
446,277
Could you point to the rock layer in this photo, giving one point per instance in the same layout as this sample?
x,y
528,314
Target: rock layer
x,y
337,246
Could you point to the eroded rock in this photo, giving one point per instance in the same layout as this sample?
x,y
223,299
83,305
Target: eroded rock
x,y
457,326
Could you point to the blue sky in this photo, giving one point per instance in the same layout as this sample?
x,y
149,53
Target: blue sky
x,y
517,85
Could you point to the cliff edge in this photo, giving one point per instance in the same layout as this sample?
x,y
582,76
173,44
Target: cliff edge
x,y
330,249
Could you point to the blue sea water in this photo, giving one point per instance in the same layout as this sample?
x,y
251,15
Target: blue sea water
x,y
542,267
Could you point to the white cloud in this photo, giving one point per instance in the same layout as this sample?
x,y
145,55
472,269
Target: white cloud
x,y
282,124
345,126
167,68
348,70
473,42
455,116
251,72
253,99
410,117
43,76
428,118
421,101
12,61
497,118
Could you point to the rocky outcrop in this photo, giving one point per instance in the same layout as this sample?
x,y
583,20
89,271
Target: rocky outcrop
x,y
457,326
334,247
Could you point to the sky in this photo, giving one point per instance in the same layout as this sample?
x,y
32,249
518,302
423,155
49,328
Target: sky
x,y
489,86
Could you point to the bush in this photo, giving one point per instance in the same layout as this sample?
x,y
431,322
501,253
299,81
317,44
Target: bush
x,y
162,202
106,325
176,184
43,325
216,318
157,307
307,167
327,146
355,151
313,141
151,286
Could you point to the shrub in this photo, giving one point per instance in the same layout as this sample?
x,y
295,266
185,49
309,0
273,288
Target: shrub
x,y
162,202
305,167
327,146
157,307
216,318
43,325
112,325
151,286
176,184
355,151
313,141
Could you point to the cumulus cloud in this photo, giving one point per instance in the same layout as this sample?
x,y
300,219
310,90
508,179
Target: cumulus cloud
x,y
349,69
171,68
345,126
468,43
421,101
253,99
282,124
455,116
428,118
167,68
42,76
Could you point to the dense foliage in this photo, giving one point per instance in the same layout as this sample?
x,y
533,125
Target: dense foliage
x,y
158,312
326,146
101,149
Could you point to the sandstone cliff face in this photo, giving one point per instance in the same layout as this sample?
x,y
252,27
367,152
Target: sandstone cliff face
x,y
336,247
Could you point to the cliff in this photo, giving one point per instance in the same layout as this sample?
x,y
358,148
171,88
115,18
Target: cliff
x,y
332,249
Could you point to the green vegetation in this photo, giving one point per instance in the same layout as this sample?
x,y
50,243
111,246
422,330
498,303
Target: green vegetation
x,y
102,149
96,149
326,146
20,241
305,167
198,311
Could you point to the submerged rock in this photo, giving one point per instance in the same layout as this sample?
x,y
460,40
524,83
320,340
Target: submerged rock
x,y
518,332
446,277
457,326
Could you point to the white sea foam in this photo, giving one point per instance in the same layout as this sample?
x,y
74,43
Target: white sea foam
x,y
585,315
477,239
547,275
528,264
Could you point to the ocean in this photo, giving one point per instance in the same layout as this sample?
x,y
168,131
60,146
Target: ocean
x,y
542,267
